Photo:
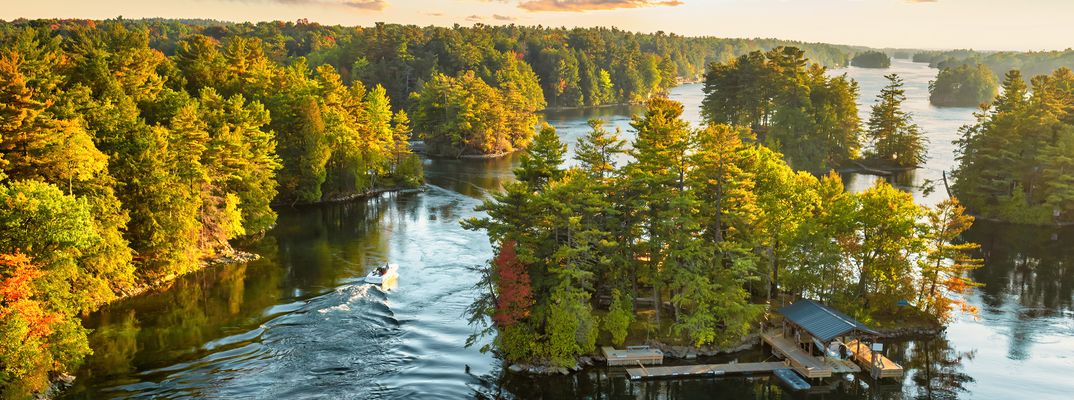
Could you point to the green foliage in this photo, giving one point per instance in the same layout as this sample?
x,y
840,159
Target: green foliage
x,y
871,59
122,166
43,236
1030,63
963,86
463,115
704,220
617,321
944,279
539,165
1015,161
896,139
793,107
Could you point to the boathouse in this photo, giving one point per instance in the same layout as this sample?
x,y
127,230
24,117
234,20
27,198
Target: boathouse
x,y
809,329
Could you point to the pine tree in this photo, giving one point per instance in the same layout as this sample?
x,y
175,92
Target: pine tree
x,y
540,163
895,138
660,201
1057,171
598,150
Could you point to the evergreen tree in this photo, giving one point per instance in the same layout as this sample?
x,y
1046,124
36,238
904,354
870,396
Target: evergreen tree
x,y
792,107
895,138
598,150
540,163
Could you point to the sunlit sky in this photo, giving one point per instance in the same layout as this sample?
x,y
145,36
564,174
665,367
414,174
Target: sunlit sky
x,y
931,24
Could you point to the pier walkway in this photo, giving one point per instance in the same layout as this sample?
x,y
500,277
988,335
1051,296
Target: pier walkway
x,y
802,362
704,370
881,367
633,355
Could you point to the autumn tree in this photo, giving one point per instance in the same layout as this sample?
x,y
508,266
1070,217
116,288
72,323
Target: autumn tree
x,y
944,281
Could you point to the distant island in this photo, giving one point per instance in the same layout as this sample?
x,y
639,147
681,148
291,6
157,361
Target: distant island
x,y
964,85
871,59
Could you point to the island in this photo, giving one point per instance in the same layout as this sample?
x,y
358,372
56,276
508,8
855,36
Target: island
x,y
871,59
686,243
963,85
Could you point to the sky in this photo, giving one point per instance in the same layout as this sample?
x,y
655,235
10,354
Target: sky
x,y
928,24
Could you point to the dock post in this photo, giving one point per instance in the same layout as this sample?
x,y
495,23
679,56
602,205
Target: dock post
x,y
642,368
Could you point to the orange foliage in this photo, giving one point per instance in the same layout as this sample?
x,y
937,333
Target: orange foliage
x,y
16,294
516,292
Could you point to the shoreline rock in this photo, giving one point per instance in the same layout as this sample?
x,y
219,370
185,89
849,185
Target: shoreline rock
x,y
911,332
692,353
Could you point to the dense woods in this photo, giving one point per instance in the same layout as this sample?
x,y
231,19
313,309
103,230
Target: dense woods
x,y
132,152
1030,63
121,166
1017,162
790,104
689,240
871,59
794,107
463,115
963,86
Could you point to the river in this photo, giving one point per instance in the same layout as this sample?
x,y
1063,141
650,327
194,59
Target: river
x,y
296,323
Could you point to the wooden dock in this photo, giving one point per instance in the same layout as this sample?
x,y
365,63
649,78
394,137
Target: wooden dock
x,y
702,370
802,362
878,368
842,366
634,355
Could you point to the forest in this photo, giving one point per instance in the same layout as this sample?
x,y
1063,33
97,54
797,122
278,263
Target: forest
x,y
963,86
794,107
704,225
122,167
1030,63
135,151
1016,163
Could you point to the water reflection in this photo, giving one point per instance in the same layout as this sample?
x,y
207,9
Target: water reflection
x,y
937,371
295,324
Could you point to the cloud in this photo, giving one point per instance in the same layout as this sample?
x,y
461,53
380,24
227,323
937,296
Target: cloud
x,y
591,5
367,5
496,17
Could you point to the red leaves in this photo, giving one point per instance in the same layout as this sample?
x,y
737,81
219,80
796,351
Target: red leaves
x,y
16,292
516,292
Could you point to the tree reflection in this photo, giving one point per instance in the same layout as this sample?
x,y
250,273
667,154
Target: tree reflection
x,y
1027,276
937,370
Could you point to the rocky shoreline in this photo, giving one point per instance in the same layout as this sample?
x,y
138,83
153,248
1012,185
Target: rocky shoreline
x,y
692,353
911,332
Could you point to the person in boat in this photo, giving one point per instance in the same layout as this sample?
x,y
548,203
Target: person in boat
x,y
382,270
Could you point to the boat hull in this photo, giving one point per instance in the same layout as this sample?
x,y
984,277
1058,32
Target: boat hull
x,y
389,278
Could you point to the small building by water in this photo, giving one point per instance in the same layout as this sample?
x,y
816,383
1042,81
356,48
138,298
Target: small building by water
x,y
811,330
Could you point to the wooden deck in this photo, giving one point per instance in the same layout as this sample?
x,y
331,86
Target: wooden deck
x,y
842,366
704,370
805,364
881,368
632,356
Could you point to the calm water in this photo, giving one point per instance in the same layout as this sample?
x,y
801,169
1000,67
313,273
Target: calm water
x,y
295,324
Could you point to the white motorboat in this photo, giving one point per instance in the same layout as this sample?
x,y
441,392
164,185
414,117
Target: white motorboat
x,y
384,275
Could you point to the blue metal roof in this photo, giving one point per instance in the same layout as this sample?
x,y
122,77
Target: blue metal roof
x,y
821,321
